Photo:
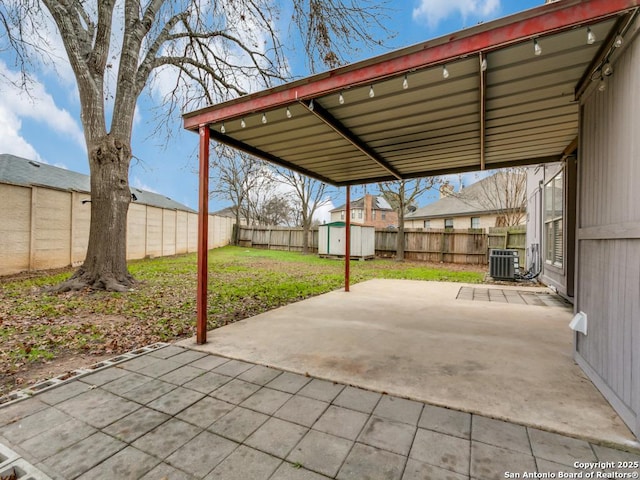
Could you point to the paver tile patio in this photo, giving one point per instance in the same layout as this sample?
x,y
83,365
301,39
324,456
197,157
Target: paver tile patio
x,y
491,463
321,452
371,463
246,463
238,424
201,454
441,450
277,437
263,424
445,420
358,399
392,436
341,422
209,362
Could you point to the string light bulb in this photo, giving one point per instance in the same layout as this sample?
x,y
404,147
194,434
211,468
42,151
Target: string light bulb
x,y
222,129
602,86
311,105
264,118
289,115
243,123
371,92
445,72
341,99
483,65
405,82
607,69
537,49
591,37
618,41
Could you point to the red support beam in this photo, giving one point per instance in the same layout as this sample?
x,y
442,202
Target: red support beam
x,y
543,20
203,237
347,239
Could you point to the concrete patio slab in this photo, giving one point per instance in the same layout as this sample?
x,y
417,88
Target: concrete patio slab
x,y
418,340
316,439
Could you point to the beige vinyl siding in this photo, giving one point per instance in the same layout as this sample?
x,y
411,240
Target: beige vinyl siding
x,y
460,222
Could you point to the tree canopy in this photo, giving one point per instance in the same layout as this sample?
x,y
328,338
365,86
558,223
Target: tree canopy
x,y
201,51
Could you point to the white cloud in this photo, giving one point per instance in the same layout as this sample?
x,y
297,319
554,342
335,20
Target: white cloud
x,y
10,139
37,105
137,183
323,211
434,11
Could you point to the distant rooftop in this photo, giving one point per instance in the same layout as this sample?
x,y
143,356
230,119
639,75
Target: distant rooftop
x,y
467,201
25,172
379,203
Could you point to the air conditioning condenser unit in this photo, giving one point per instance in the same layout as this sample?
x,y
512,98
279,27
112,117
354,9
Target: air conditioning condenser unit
x,y
504,264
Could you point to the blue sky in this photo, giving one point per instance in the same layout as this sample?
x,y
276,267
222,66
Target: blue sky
x,y
45,125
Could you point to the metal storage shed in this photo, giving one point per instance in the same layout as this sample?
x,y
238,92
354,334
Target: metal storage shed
x,y
331,240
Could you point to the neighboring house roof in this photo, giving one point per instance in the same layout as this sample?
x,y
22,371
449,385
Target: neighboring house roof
x,y
226,212
466,202
21,171
379,203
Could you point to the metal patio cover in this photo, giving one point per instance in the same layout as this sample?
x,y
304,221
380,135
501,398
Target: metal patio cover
x,y
500,94
397,116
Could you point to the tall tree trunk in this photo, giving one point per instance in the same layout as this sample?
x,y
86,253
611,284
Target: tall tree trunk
x,y
306,224
236,231
400,239
401,208
105,266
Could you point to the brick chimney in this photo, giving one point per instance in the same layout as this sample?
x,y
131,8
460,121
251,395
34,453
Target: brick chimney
x,y
368,207
446,190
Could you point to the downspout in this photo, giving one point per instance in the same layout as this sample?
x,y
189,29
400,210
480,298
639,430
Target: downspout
x,y
203,237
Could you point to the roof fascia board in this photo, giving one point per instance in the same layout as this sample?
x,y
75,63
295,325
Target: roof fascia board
x,y
462,169
532,23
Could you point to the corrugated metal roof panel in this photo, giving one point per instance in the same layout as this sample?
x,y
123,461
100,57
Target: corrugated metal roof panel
x,y
522,108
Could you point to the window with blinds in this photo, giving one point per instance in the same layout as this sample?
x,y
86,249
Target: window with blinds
x,y
553,220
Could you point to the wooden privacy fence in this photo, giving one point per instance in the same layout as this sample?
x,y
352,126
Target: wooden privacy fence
x,y
433,245
513,238
277,238
436,245
43,228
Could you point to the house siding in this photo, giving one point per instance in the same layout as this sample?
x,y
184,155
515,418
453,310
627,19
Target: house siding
x,y
367,215
608,237
459,222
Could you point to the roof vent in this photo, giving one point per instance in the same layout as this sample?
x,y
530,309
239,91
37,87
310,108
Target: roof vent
x,y
34,163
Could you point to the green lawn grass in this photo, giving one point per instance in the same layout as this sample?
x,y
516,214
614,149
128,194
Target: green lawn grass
x,y
37,326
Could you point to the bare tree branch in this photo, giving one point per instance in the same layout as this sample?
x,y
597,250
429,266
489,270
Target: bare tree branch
x,y
215,50
401,195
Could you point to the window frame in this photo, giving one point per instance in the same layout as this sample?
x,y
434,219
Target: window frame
x,y
553,220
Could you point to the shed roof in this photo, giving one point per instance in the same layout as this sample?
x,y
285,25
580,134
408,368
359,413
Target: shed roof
x,y
22,171
521,109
